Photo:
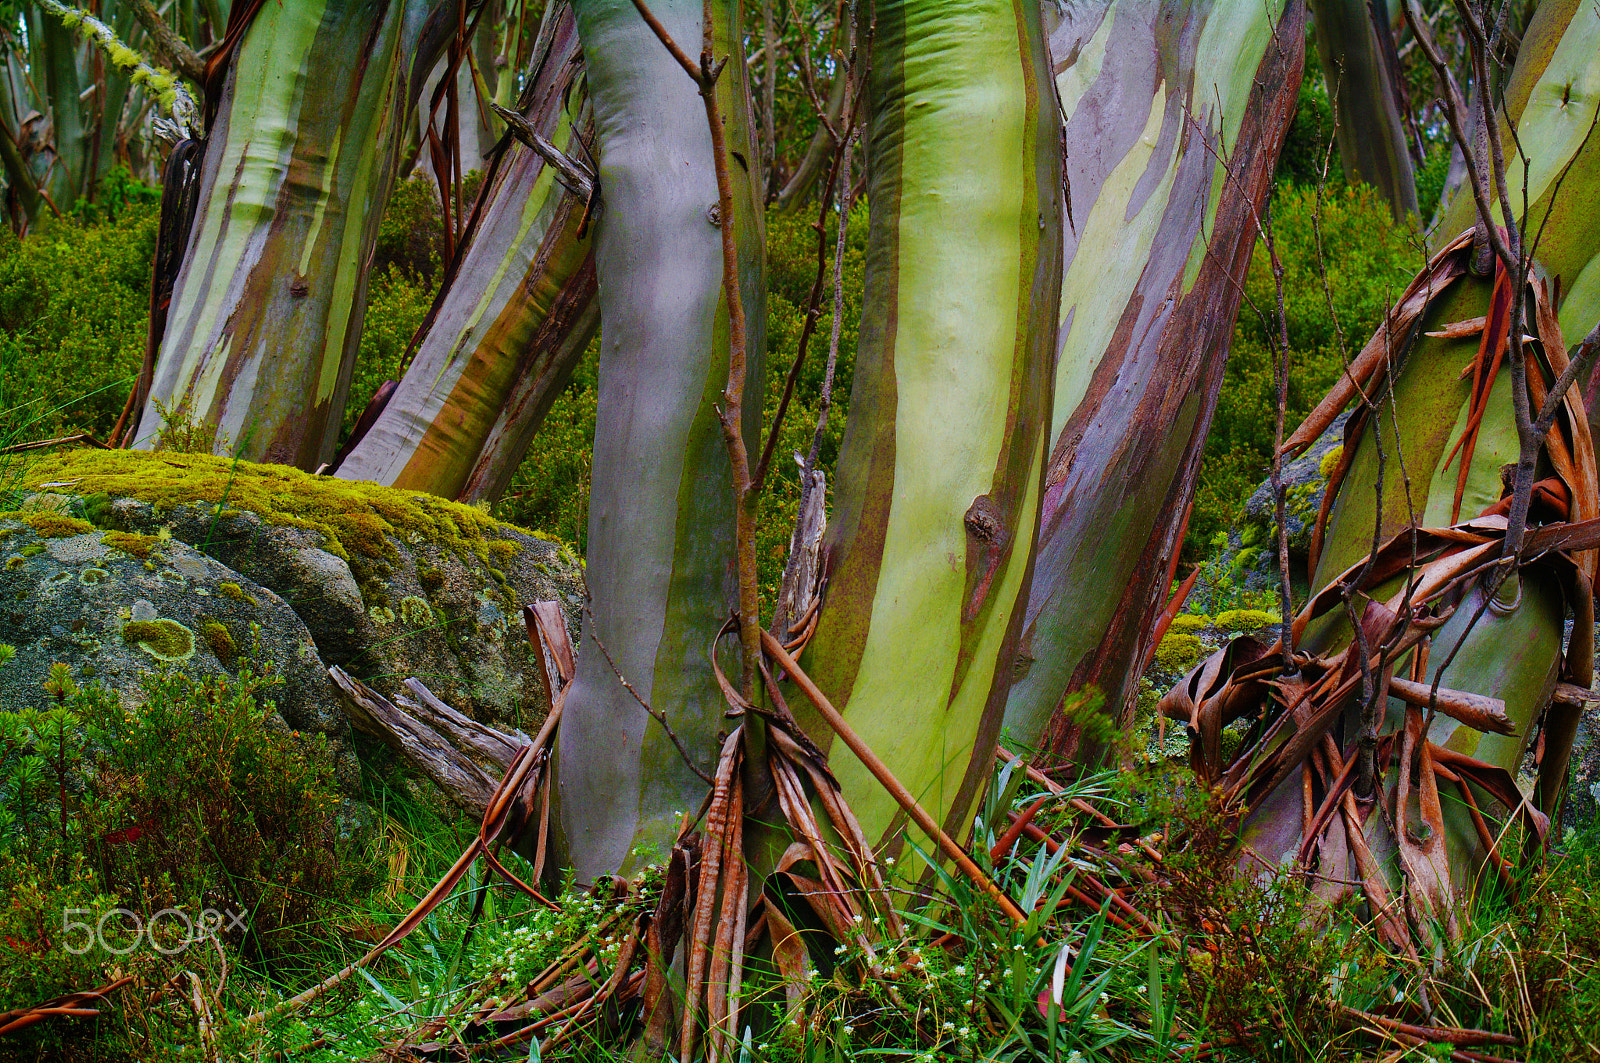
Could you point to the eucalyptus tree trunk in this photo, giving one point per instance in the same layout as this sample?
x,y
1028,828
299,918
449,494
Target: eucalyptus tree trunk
x,y
1552,95
1170,151
1388,762
265,318
1367,121
929,549
514,313
660,563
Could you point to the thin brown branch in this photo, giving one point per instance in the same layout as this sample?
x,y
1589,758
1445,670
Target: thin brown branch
x,y
658,717
881,772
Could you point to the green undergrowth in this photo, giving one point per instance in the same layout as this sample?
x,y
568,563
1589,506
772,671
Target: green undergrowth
x,y
1365,260
191,804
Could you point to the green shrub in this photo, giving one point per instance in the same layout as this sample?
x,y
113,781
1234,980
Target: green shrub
x,y
74,303
195,800
398,302
1367,260
550,489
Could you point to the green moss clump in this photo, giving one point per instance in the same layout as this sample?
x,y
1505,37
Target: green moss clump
x,y
220,639
166,640
236,592
56,526
430,578
131,543
416,612
1178,651
1246,619
31,550
1330,461
1188,622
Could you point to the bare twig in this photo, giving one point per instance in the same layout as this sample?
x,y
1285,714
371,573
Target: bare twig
x,y
654,715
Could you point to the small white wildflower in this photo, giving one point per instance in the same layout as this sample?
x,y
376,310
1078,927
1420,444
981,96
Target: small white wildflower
x,y
958,970
949,1026
890,861
848,1030
964,1033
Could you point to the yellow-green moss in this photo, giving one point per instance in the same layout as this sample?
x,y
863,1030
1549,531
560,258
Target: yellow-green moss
x,y
55,525
1330,461
430,578
1245,619
355,517
1178,651
163,639
236,592
220,640
416,612
31,550
131,542
1188,622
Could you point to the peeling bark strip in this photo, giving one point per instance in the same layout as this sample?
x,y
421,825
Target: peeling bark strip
x,y
1159,238
661,514
513,316
266,317
939,475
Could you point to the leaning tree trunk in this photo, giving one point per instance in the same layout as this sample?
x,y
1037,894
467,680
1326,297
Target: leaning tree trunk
x,y
514,314
1170,153
660,564
1385,761
929,551
265,319
1366,114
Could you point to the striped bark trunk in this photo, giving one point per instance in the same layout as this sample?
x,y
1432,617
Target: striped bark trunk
x,y
512,318
1170,153
1436,727
661,510
265,319
929,550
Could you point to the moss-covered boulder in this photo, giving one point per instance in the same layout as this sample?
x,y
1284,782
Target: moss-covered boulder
x,y
391,584
1244,561
112,608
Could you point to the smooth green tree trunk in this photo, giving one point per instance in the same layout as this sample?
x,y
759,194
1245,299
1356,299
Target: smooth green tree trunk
x,y
515,312
265,319
929,550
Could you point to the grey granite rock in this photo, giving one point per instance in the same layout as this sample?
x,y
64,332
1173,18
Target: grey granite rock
x,y
443,614
113,614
